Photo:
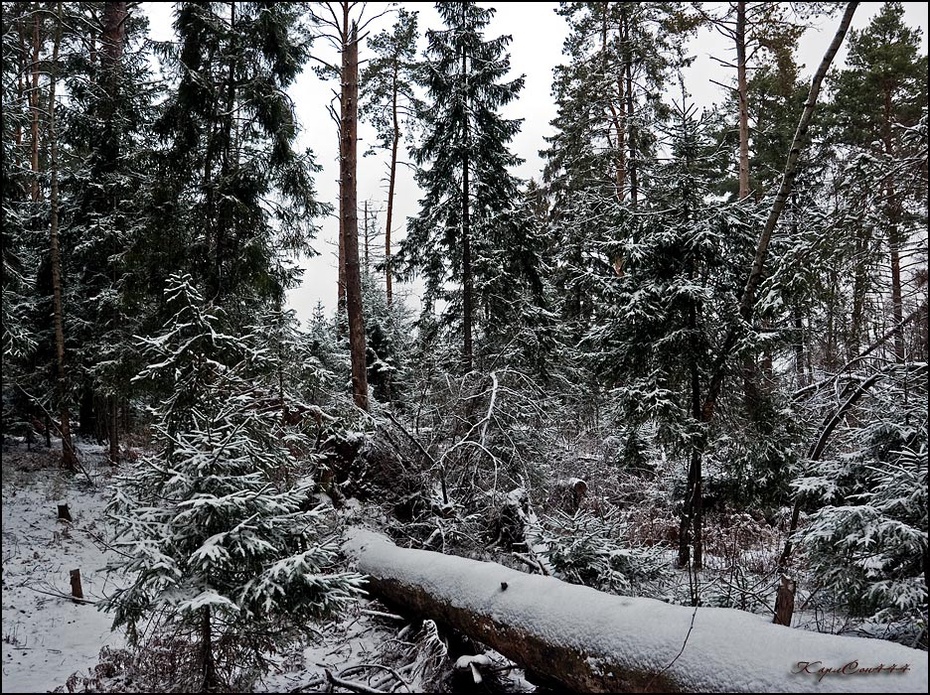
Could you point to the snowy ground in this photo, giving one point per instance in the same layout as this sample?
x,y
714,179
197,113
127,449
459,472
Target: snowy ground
x,y
47,637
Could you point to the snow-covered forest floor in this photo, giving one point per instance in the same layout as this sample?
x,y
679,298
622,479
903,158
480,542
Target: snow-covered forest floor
x,y
47,637
51,643
54,644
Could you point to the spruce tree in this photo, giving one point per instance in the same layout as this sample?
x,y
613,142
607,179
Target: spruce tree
x,y
106,135
463,166
233,198
17,258
220,542
653,337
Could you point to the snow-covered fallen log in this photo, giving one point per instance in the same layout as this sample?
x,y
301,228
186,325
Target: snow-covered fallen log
x,y
595,642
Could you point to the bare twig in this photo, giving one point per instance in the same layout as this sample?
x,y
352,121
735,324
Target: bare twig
x,y
393,672
107,546
351,685
64,596
381,614
532,562
312,683
439,465
648,687
411,437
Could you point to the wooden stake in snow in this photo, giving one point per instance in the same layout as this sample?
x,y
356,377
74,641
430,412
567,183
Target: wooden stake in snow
x,y
76,590
64,513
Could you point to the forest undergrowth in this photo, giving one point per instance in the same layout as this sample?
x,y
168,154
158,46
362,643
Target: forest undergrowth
x,y
573,516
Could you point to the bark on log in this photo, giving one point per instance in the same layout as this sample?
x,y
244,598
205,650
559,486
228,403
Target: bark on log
x,y
593,642
784,601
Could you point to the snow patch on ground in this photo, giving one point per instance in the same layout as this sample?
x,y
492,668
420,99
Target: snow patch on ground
x,y
47,638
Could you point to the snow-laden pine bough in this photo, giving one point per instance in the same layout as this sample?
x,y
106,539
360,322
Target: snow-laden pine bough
x,y
590,641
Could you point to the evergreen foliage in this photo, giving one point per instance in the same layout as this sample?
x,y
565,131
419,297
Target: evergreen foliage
x,y
593,325
467,210
233,200
219,534
868,545
592,550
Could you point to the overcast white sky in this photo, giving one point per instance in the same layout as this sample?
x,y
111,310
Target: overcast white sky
x,y
537,34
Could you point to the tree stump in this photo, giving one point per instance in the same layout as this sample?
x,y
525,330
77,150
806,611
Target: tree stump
x,y
76,590
784,601
567,495
64,513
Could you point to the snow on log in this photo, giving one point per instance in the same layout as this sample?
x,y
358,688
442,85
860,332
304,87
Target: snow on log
x,y
594,642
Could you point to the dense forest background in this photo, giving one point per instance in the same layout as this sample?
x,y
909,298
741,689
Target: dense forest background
x,y
695,347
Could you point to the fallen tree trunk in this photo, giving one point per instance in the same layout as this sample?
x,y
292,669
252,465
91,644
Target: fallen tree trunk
x,y
590,641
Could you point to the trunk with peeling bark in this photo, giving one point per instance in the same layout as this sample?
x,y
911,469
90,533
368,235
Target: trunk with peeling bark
x,y
742,95
392,184
68,456
349,213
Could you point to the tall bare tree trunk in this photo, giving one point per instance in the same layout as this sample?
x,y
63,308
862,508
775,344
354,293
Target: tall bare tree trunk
x,y
619,124
113,43
68,457
115,15
349,204
466,270
367,232
341,260
392,183
630,106
894,241
741,90
692,520
34,105
860,283
466,237
207,658
341,275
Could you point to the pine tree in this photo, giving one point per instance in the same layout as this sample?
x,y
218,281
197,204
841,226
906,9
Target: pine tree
x,y
344,31
881,93
389,103
608,94
761,33
218,543
463,164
